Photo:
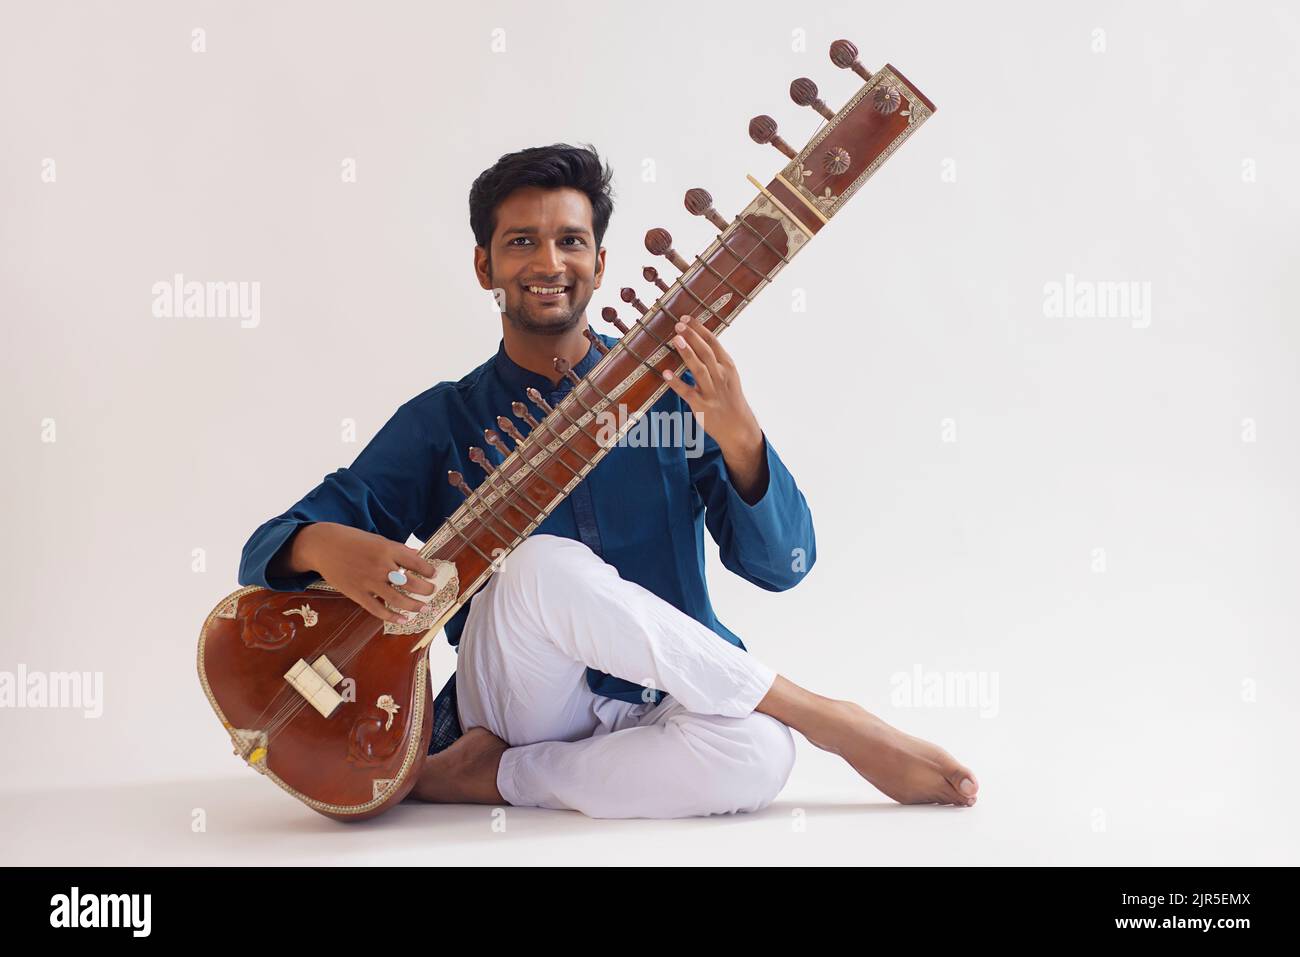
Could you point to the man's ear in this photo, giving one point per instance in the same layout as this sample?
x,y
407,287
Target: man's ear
x,y
600,267
482,268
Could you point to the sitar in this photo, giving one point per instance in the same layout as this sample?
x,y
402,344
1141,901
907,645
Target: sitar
x,y
334,705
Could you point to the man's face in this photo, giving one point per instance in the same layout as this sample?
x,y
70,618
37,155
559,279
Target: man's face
x,y
543,241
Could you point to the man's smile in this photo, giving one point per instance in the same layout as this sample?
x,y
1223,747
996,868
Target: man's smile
x,y
548,293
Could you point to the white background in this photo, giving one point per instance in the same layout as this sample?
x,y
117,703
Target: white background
x,y
1144,713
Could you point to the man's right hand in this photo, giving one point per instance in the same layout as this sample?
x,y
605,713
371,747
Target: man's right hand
x,y
357,563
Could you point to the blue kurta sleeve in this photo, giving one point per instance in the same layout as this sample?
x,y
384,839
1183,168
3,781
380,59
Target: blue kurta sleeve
x,y
385,491
770,543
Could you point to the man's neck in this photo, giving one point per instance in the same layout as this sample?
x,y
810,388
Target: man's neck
x,y
537,353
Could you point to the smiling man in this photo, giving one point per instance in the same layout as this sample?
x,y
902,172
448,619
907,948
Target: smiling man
x,y
592,672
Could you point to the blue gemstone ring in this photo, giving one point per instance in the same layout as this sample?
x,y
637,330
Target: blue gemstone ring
x,y
397,577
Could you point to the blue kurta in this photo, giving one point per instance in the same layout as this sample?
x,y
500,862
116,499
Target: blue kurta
x,y
642,509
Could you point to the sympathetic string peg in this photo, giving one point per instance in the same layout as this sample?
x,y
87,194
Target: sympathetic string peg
x,y
521,410
628,295
845,56
660,243
699,202
479,458
563,368
762,130
650,274
804,92
595,340
536,398
456,480
508,427
610,315
491,437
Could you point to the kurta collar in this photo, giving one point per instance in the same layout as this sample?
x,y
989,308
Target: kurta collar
x,y
518,379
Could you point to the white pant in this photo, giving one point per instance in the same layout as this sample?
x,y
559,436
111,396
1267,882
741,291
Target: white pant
x,y
553,609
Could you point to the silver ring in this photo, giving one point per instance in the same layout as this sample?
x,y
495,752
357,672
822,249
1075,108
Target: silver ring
x,y
397,577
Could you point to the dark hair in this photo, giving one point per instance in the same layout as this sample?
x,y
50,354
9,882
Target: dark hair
x,y
549,167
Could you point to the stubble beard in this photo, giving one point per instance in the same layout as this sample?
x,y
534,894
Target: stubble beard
x,y
518,317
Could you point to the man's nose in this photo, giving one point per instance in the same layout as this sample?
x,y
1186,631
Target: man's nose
x,y
549,260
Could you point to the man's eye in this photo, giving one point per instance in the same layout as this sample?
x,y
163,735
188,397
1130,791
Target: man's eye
x,y
525,239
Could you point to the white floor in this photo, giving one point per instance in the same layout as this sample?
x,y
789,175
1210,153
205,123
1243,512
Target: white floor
x,y
825,816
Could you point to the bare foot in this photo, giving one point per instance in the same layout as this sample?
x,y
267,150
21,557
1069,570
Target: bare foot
x,y
465,773
907,769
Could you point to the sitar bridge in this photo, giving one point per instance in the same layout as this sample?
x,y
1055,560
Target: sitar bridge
x,y
316,682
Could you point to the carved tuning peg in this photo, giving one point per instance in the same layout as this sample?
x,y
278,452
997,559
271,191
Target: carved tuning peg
x,y
660,243
595,340
508,427
491,437
479,458
536,398
610,315
650,274
804,92
628,295
845,56
456,480
563,368
699,202
762,129
521,410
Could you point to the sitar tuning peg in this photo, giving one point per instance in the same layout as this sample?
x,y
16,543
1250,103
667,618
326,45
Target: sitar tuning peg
x,y
845,56
508,427
521,410
762,130
610,315
595,340
536,398
660,243
491,437
479,458
650,274
804,92
563,368
699,202
628,295
456,480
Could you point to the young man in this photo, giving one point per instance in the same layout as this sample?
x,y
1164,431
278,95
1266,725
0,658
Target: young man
x,y
591,673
